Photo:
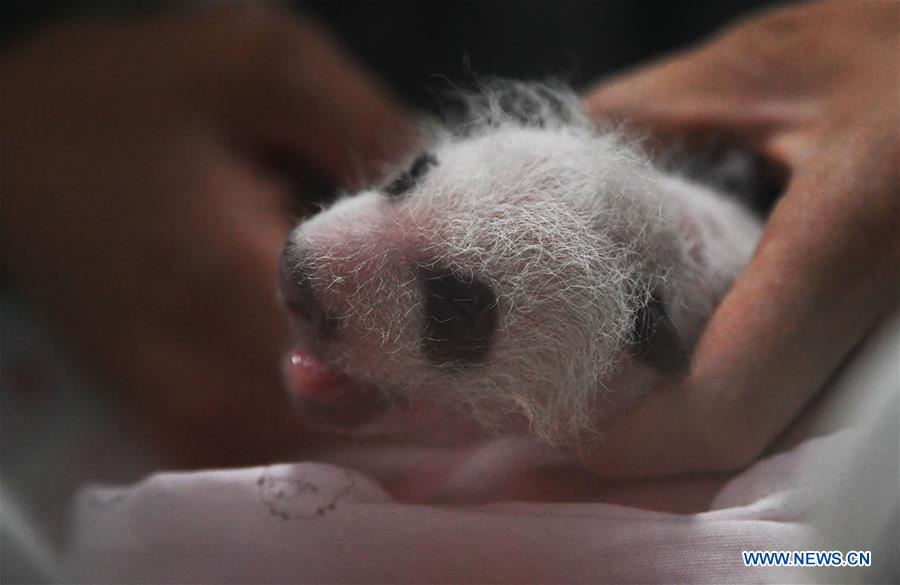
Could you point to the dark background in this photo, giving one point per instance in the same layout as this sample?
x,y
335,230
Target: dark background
x,y
413,45
416,46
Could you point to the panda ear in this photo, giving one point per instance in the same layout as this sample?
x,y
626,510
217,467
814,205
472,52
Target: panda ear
x,y
655,339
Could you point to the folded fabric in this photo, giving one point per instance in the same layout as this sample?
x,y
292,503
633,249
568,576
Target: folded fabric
x,y
406,514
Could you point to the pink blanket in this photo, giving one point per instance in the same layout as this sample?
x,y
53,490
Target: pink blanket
x,y
508,511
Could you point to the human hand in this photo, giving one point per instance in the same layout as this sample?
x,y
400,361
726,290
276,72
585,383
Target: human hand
x,y
813,89
138,212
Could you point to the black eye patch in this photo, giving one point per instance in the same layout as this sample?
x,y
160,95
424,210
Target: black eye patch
x,y
655,339
460,317
408,179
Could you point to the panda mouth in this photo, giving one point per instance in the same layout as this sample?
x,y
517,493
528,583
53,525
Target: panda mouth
x,y
327,398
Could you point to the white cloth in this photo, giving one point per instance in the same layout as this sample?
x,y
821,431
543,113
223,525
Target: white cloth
x,y
406,515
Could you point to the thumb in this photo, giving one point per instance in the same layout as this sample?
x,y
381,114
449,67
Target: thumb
x,y
713,90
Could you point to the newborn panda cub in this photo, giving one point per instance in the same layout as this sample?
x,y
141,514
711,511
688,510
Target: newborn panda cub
x,y
525,272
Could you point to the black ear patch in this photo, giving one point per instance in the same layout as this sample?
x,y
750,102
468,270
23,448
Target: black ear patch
x,y
408,179
655,339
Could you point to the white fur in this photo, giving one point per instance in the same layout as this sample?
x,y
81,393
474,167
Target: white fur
x,y
571,227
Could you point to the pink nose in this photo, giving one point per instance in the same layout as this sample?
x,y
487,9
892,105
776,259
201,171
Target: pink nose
x,y
326,397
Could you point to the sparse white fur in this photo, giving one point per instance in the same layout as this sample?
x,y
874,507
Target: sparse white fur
x,y
571,227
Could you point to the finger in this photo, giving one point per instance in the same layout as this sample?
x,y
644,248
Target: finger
x,y
737,85
671,100
822,276
302,93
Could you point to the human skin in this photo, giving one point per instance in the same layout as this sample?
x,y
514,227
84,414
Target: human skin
x,y
814,89
139,214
